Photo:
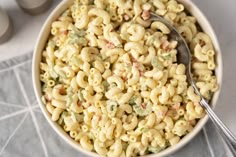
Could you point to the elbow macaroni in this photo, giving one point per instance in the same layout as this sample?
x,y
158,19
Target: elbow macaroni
x,y
110,76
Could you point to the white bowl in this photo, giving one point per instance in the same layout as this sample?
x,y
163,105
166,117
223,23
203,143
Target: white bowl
x,y
42,39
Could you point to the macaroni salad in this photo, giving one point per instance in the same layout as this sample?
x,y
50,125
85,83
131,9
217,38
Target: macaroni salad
x,y
110,76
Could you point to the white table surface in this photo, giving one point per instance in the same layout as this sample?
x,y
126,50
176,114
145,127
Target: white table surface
x,y
221,15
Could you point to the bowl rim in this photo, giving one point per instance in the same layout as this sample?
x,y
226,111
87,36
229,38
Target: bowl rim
x,y
40,44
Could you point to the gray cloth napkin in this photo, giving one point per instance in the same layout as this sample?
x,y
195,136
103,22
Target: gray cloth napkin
x,y
24,132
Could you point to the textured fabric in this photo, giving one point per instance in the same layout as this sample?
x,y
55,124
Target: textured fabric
x,y
24,131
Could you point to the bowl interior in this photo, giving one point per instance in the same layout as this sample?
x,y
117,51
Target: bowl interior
x,y
42,39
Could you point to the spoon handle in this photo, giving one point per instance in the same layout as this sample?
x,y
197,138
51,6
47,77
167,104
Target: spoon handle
x,y
231,147
229,137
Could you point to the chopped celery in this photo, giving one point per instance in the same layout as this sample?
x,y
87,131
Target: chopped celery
x,y
143,109
72,35
132,100
76,39
81,33
77,32
156,63
166,56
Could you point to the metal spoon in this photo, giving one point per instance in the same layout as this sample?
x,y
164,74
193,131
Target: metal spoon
x,y
184,57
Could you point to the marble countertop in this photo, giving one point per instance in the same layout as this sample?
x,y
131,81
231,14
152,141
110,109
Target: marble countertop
x,y
220,14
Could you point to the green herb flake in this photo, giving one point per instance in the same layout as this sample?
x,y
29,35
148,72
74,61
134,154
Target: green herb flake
x,y
132,100
166,56
143,110
156,63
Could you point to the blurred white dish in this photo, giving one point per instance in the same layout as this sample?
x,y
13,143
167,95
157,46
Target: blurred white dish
x,y
43,36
